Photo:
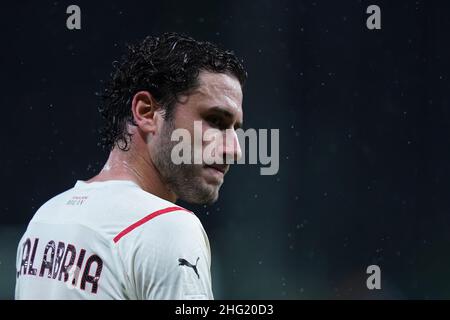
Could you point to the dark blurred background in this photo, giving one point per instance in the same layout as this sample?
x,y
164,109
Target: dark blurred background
x,y
364,124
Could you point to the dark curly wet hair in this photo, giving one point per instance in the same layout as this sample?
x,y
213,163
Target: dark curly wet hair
x,y
166,66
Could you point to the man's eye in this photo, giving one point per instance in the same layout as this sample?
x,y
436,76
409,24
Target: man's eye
x,y
215,121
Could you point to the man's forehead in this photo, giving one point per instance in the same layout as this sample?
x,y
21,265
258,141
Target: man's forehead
x,y
220,87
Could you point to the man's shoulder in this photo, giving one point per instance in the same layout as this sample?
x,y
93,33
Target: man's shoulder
x,y
130,212
112,210
168,221
162,238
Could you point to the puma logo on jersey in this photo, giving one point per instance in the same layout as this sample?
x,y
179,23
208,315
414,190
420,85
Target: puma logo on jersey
x,y
184,262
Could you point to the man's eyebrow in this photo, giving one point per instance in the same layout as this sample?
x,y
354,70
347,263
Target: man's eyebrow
x,y
225,112
222,110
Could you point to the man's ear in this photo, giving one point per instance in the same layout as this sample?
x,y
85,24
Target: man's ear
x,y
144,109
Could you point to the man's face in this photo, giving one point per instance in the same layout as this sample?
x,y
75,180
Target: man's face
x,y
217,105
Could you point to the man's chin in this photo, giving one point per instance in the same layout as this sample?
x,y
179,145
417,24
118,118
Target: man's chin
x,y
207,194
208,199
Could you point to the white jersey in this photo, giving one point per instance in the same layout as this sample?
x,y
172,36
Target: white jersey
x,y
113,240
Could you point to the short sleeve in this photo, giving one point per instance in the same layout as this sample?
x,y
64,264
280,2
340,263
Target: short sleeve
x,y
168,258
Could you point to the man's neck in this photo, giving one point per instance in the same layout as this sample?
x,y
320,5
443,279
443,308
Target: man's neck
x,y
131,165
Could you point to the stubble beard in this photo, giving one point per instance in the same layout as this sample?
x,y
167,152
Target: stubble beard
x,y
185,180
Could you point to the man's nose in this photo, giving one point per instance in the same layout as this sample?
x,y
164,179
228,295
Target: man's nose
x,y
231,149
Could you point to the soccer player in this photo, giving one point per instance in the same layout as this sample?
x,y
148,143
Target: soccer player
x,y
120,235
